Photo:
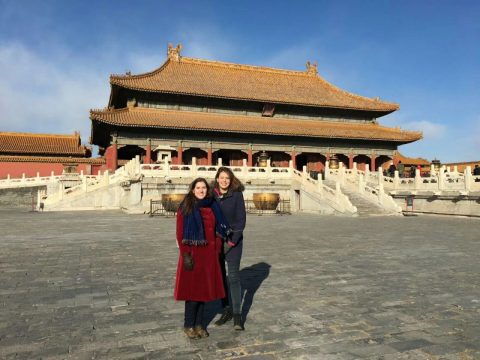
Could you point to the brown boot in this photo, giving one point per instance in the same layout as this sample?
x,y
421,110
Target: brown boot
x,y
201,332
191,333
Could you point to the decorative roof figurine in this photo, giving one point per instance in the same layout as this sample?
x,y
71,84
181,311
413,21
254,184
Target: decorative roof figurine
x,y
174,53
312,69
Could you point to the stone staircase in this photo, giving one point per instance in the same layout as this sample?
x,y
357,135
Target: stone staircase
x,y
365,207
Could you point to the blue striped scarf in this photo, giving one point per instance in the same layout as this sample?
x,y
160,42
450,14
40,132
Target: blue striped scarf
x,y
193,229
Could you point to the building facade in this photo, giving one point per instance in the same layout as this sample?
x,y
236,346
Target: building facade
x,y
43,154
214,110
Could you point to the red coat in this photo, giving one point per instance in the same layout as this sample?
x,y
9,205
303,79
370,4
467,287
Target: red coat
x,y
204,282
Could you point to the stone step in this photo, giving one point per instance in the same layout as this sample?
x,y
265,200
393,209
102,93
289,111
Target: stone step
x,y
363,205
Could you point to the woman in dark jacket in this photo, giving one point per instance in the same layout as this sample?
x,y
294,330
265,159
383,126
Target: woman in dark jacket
x,y
199,276
228,193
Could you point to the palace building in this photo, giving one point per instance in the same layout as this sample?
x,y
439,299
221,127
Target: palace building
x,y
43,154
209,110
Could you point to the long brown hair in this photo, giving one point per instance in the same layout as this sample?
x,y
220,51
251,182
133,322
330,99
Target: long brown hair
x,y
235,184
190,200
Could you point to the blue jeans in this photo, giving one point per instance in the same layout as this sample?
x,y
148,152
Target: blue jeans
x,y
193,313
233,287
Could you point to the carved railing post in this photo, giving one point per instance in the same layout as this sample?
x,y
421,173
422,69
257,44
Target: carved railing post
x,y
467,174
441,179
106,178
361,184
342,173
380,176
418,179
396,180
194,167
166,167
137,165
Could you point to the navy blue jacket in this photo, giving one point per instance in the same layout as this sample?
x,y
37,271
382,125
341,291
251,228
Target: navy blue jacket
x,y
233,208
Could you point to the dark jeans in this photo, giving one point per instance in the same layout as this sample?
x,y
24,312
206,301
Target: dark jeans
x,y
232,285
193,313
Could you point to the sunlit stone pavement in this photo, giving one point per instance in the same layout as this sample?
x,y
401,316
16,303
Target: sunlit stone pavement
x,y
98,285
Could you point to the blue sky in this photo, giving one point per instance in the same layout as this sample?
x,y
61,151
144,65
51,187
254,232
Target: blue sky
x,y
56,56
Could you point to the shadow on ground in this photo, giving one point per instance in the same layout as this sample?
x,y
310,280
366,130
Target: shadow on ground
x,y
251,278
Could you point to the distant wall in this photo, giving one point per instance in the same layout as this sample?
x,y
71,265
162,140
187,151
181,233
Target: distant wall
x,y
30,169
442,205
19,197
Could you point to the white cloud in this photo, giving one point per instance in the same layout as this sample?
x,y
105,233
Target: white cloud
x,y
430,129
294,57
204,42
146,61
48,95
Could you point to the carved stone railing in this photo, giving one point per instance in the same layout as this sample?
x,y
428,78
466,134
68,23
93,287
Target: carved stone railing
x,y
134,170
28,181
90,183
243,172
437,181
335,198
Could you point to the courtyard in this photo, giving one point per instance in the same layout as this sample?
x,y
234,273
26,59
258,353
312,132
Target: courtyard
x,y
99,285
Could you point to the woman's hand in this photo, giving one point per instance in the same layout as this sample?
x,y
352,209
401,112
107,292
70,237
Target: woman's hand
x,y
187,261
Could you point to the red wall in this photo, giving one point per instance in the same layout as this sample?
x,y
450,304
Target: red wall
x,y
16,169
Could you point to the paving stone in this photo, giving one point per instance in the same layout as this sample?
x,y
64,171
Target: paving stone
x,y
85,285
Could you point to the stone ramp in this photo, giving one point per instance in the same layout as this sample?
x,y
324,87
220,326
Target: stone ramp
x,y
365,207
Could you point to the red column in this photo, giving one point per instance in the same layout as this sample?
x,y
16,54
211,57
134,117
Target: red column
x,y
293,157
209,156
250,158
111,155
180,155
372,163
350,161
148,154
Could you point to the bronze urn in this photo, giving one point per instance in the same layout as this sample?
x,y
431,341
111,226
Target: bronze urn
x,y
171,202
266,201
436,165
262,159
333,164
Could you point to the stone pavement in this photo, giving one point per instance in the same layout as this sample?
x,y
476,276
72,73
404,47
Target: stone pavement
x,y
98,285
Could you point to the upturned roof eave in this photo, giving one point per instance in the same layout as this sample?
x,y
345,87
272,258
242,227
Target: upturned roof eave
x,y
122,80
94,117
54,159
383,112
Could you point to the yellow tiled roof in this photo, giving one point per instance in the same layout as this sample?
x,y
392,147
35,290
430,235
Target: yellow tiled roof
x,y
204,121
52,159
412,161
190,76
28,143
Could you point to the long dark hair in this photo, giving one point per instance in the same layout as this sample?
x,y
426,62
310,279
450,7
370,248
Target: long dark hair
x,y
190,200
235,184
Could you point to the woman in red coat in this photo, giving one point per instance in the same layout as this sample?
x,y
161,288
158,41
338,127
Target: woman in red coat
x,y
199,277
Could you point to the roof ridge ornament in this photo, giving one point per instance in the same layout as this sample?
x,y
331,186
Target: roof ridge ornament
x,y
312,69
173,53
